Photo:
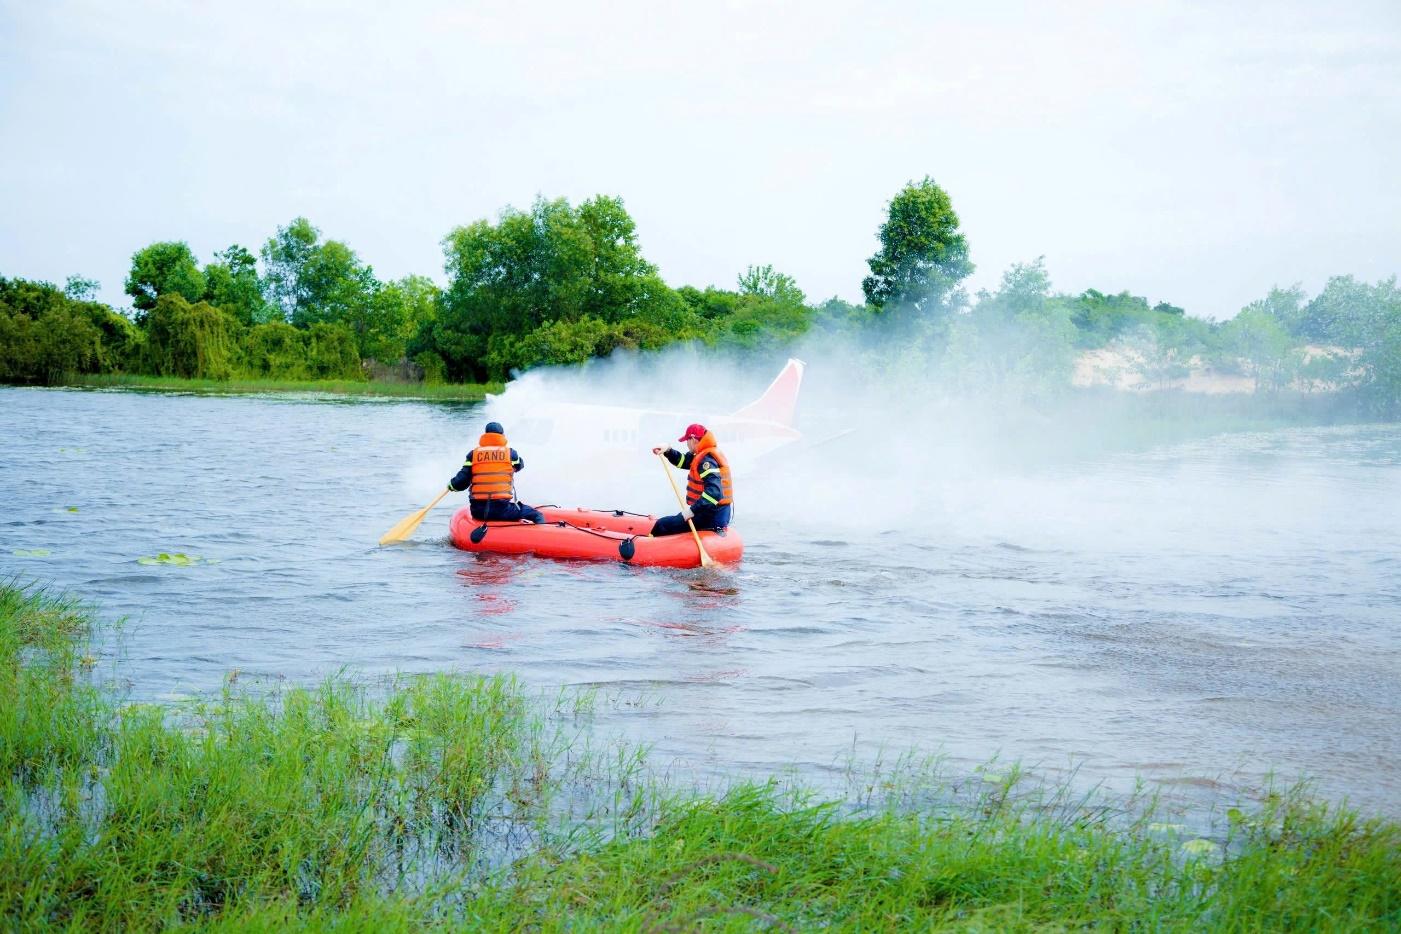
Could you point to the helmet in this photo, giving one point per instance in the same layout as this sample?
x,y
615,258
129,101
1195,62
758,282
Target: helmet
x,y
694,431
494,428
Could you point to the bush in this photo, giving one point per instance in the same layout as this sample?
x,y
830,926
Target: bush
x,y
331,353
433,366
190,341
45,335
275,351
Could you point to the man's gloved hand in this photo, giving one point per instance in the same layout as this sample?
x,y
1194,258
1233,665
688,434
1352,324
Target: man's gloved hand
x,y
686,513
657,450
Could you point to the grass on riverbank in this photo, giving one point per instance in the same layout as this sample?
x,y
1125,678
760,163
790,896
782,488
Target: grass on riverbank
x,y
464,392
458,801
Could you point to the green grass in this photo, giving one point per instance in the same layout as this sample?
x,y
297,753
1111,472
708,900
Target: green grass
x,y
462,802
466,392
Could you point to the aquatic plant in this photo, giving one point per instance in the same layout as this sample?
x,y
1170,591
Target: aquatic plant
x,y
463,392
176,559
465,802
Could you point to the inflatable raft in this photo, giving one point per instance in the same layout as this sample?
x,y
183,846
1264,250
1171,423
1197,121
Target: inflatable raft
x,y
592,535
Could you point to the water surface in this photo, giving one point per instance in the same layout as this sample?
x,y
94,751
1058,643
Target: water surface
x,y
1200,615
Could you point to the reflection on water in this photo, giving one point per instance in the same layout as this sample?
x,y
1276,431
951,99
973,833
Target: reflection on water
x,y
1198,615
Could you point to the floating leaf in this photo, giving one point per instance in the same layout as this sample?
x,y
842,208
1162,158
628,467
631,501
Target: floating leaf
x,y
31,552
72,508
177,559
1198,847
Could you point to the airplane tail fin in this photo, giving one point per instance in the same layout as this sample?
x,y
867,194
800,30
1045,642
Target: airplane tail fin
x,y
779,403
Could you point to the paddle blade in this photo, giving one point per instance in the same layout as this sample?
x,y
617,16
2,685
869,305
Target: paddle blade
x,y
406,526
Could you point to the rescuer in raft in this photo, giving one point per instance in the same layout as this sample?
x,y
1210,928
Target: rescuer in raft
x,y
490,475
709,492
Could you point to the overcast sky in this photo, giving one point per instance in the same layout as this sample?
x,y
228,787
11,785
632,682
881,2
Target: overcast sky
x,y
1191,152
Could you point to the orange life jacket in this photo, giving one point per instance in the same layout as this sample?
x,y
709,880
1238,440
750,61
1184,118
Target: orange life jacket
x,y
493,474
695,481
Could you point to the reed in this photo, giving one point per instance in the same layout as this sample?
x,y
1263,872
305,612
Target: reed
x,y
456,801
450,392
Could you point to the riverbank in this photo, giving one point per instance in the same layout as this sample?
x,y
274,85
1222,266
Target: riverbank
x,y
451,392
453,800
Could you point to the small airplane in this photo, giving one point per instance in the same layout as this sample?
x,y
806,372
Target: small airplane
x,y
746,435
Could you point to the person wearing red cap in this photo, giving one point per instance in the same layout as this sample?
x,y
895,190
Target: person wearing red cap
x,y
709,491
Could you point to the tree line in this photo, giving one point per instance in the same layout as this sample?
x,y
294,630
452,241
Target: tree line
x,y
561,283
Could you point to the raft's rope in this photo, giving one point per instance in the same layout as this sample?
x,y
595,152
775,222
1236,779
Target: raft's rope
x,y
601,534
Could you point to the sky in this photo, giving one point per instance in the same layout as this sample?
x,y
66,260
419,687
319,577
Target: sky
x,y
1197,153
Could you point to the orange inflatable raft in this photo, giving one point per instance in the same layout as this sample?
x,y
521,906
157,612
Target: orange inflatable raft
x,y
593,535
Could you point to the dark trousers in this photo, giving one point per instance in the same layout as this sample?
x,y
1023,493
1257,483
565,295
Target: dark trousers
x,y
713,520
503,510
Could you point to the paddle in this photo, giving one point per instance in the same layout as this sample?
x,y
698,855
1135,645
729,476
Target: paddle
x,y
406,525
706,561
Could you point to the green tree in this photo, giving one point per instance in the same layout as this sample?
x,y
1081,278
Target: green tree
x,y
232,283
1256,338
922,256
1100,318
771,310
80,289
1383,351
285,256
554,264
166,268
838,316
315,282
764,282
1286,306
400,310
1015,342
711,304
1345,312
1367,320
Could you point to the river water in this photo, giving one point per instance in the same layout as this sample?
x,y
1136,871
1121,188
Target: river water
x,y
1198,615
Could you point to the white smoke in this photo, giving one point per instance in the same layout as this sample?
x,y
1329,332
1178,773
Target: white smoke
x,y
892,439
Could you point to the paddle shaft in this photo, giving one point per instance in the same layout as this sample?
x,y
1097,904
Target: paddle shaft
x,y
706,560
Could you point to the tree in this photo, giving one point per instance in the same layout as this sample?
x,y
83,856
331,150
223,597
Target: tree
x,y
166,268
554,264
1017,341
1345,312
80,289
771,310
232,283
1286,306
711,304
285,255
1100,318
401,310
922,257
763,282
1257,337
313,282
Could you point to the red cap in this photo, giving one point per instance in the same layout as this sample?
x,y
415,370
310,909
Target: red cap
x,y
696,431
